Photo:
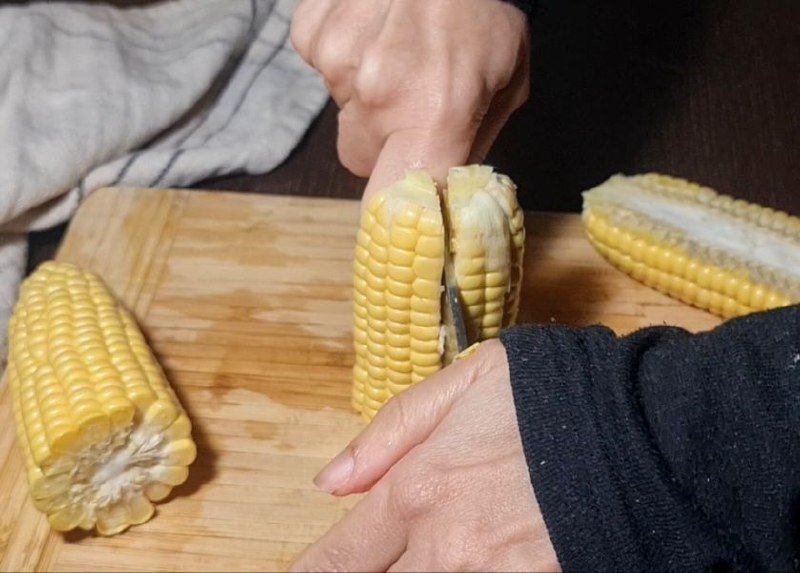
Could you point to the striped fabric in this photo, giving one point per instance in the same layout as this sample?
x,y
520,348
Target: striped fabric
x,y
156,94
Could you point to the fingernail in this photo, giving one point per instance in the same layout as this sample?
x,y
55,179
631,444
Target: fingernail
x,y
336,473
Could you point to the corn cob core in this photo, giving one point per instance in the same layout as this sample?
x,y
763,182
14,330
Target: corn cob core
x,y
101,431
723,255
398,268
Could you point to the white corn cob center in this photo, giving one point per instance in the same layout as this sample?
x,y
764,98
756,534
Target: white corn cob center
x,y
709,250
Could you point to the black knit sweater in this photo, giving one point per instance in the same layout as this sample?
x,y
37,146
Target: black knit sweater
x,y
664,450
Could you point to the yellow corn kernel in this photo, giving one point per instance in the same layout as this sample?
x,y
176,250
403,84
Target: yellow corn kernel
x,y
97,422
398,305
402,291
488,242
723,255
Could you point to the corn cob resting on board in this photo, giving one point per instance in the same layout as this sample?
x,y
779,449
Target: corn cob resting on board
x,y
708,250
101,431
398,275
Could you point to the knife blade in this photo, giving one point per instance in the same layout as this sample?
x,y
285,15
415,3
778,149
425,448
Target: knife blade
x,y
456,339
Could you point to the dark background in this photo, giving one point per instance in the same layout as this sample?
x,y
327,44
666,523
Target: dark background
x,y
706,90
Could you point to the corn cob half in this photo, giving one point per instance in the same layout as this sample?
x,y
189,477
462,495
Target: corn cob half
x,y
723,255
398,268
488,242
101,431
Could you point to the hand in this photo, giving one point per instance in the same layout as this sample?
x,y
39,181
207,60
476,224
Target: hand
x,y
447,479
420,83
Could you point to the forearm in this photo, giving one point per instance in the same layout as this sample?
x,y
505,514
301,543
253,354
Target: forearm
x,y
663,449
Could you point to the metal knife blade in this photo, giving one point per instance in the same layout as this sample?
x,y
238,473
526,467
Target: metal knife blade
x,y
456,339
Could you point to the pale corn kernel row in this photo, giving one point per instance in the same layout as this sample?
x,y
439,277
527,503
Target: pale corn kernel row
x,y
679,188
670,245
779,228
480,206
516,224
483,204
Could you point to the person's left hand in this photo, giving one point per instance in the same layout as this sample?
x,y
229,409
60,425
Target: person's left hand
x,y
448,483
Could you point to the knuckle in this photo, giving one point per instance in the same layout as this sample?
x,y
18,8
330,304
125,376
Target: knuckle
x,y
333,56
503,68
460,103
374,80
460,548
395,413
417,493
489,357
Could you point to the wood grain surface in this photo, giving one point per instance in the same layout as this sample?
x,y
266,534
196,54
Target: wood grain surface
x,y
246,301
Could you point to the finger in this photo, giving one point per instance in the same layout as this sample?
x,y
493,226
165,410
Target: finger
x,y
337,56
369,538
505,103
490,129
349,27
306,25
341,91
434,150
359,140
403,423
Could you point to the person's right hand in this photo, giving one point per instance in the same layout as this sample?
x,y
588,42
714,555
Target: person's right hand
x,y
420,83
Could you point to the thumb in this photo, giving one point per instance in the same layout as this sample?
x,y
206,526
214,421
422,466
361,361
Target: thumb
x,y
404,422
435,151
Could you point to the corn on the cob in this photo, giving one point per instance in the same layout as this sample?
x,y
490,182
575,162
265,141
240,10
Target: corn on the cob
x,y
101,431
398,267
723,255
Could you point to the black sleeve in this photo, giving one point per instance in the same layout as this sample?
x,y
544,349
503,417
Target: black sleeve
x,y
664,450
527,6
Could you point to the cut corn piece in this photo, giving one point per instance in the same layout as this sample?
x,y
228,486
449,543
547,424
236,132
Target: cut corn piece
x,y
98,424
723,255
488,242
398,282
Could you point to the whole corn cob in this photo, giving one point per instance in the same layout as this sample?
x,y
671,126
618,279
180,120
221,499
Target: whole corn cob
x,y
101,431
398,268
708,250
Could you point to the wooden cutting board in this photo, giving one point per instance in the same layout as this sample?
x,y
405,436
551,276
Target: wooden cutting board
x,y
246,301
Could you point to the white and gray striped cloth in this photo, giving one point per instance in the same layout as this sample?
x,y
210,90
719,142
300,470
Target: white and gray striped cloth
x,y
156,94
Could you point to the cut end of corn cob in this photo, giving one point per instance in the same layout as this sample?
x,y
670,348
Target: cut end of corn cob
x,y
723,255
102,433
398,275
